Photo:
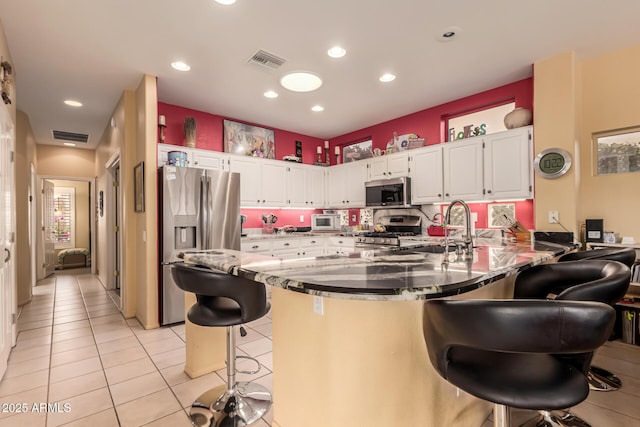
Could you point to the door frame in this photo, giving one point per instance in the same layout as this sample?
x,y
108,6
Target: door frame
x,y
92,216
114,216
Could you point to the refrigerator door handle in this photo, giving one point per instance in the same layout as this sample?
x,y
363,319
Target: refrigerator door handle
x,y
201,215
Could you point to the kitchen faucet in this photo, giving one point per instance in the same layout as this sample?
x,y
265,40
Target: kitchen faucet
x,y
468,239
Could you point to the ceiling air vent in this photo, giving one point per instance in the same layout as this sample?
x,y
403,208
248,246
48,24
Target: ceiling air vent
x,y
70,136
266,59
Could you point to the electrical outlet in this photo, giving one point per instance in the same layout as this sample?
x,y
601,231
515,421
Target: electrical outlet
x,y
301,218
318,305
554,218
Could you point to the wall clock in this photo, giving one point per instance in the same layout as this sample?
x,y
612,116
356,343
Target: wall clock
x,y
552,163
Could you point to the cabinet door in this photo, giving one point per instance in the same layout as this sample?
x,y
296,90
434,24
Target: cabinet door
x,y
315,184
274,190
507,164
163,153
336,186
296,185
208,159
426,175
250,183
463,173
398,165
355,178
378,168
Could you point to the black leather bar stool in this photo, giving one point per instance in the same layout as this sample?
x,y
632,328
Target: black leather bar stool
x,y
601,379
593,280
225,300
528,354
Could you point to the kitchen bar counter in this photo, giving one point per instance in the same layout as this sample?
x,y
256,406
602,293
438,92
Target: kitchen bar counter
x,y
390,274
348,348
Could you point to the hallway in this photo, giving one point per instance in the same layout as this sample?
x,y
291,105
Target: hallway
x,y
75,348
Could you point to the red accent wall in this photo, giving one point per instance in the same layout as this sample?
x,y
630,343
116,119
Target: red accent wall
x,y
429,123
285,217
209,133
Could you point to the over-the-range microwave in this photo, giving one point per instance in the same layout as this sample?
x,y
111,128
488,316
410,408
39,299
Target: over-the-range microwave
x,y
388,193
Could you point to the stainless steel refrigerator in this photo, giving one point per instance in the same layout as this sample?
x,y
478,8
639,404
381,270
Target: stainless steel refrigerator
x,y
199,209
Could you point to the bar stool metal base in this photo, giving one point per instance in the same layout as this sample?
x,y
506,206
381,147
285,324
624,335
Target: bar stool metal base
x,y
556,419
245,404
602,380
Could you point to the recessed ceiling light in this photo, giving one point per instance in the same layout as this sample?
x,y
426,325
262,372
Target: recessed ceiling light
x,y
271,94
336,52
73,103
180,66
387,77
301,81
69,144
317,108
449,34
226,2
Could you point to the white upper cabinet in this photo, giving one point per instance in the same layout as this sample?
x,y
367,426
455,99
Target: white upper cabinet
x,y
315,187
508,172
345,184
196,158
296,185
273,182
250,179
208,159
389,166
426,175
463,170
262,181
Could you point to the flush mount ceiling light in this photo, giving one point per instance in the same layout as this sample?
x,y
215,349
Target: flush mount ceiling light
x,y
301,81
69,144
449,34
226,2
271,94
317,108
387,77
180,66
73,103
336,52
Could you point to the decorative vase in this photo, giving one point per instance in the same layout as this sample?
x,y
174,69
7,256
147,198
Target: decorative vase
x,y
517,118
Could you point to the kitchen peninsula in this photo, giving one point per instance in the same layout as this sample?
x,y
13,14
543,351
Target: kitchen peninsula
x,y
347,330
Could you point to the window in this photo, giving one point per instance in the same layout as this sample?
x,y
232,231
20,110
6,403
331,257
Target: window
x,y
64,214
617,151
482,122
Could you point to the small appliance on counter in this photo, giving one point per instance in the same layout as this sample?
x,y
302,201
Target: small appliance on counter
x,y
594,230
325,222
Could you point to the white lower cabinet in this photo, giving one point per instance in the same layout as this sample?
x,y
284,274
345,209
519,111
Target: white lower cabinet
x,y
302,247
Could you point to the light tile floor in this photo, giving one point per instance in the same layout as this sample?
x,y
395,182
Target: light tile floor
x,y
75,348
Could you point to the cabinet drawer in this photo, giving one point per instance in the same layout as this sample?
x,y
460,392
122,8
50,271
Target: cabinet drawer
x,y
285,244
311,242
255,246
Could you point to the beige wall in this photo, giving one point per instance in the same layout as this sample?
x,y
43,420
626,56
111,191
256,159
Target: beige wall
x,y
65,162
25,206
611,90
573,99
82,203
147,247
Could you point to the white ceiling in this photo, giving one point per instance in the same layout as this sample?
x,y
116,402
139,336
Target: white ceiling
x,y
91,50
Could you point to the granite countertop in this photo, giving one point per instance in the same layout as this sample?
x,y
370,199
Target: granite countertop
x,y
397,274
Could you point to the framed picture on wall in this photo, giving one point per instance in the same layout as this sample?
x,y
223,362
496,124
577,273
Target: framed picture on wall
x,y
357,151
138,187
248,140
